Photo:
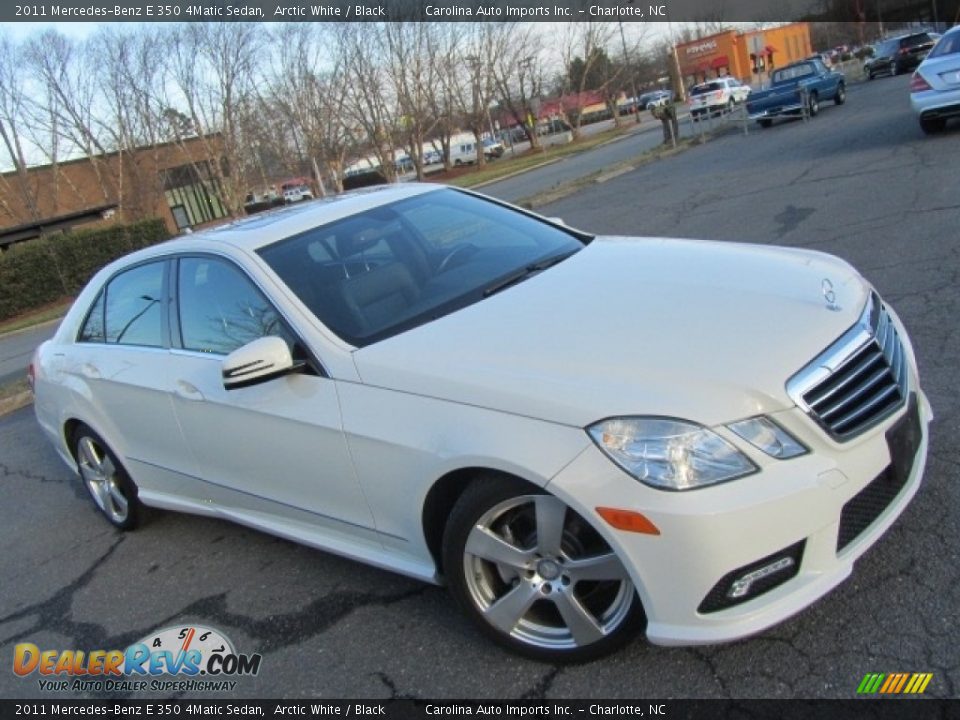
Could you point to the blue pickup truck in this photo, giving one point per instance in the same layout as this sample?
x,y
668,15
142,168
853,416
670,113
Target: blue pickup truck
x,y
804,84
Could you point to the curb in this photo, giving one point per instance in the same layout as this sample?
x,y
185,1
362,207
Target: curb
x,y
15,402
18,331
514,174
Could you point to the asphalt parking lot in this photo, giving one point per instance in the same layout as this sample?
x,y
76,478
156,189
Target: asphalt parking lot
x,y
860,181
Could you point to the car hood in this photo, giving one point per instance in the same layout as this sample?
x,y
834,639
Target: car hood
x,y
705,331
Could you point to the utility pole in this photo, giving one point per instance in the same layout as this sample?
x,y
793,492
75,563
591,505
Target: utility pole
x,y
633,77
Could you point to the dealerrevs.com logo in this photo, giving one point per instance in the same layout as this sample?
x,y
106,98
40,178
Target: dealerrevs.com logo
x,y
176,658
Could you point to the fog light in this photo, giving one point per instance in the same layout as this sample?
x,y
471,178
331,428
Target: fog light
x,y
741,587
753,580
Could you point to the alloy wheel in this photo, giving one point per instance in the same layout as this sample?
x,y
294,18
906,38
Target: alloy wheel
x,y
541,575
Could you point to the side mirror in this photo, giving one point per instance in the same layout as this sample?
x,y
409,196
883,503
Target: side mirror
x,y
258,361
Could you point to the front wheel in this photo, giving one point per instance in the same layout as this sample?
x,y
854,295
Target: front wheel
x,y
109,485
841,97
813,105
535,576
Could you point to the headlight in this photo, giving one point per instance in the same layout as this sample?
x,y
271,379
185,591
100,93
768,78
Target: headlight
x,y
669,454
764,434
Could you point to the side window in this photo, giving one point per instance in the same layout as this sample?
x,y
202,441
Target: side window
x,y
132,308
92,330
221,309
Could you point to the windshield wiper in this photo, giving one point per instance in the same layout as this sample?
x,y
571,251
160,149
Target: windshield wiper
x,y
525,273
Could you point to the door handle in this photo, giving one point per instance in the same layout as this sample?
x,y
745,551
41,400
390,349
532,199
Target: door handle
x,y
90,371
188,391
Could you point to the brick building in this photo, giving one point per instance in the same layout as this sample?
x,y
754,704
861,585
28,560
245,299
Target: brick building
x,y
176,181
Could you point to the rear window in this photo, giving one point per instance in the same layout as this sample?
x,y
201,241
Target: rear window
x,y
915,40
948,45
708,87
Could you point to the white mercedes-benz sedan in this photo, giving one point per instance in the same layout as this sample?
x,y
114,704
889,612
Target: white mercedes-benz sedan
x,y
583,437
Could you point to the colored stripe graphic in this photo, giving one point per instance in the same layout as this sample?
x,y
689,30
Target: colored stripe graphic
x,y
894,683
871,683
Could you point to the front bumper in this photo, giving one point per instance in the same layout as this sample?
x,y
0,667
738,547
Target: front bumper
x,y
708,534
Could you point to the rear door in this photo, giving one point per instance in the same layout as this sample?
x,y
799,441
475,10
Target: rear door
x,y
119,365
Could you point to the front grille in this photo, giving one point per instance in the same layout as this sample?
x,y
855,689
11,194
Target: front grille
x,y
858,381
866,506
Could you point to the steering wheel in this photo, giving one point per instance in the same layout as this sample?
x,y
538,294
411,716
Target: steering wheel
x,y
454,252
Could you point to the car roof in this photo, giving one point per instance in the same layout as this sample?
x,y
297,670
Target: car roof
x,y
255,231
250,233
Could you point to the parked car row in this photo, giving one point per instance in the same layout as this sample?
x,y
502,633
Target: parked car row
x,y
899,54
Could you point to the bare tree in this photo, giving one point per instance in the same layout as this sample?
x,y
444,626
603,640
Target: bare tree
x,y
586,64
519,76
214,67
68,114
12,109
411,51
308,89
476,87
370,100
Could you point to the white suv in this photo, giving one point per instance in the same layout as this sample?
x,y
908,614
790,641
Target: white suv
x,y
717,96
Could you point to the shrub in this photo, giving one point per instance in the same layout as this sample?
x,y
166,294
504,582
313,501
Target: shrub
x,y
41,271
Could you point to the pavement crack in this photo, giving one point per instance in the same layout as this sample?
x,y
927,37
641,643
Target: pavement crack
x,y
539,690
55,613
392,687
276,632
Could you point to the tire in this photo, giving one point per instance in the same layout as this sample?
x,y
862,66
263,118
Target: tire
x,y
765,123
870,75
813,105
519,586
894,70
112,490
933,125
731,105
841,97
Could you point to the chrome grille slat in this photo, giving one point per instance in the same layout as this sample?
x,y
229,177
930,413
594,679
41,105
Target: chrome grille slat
x,y
859,380
877,377
863,367
846,419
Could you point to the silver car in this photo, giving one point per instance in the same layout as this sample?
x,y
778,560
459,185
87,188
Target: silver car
x,y
935,86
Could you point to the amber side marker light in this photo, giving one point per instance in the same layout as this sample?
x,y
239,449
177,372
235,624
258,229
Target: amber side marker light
x,y
628,520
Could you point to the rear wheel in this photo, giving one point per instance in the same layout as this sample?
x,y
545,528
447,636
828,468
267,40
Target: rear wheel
x,y
766,122
894,70
109,485
841,97
535,576
932,125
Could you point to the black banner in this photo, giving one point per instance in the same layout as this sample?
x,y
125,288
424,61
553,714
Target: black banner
x,y
865,709
459,10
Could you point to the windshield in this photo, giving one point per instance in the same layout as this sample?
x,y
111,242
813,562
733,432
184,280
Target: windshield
x,y
948,45
393,267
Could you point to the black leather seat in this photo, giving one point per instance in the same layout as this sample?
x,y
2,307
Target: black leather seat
x,y
378,297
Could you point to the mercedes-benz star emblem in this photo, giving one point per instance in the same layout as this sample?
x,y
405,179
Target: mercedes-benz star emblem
x,y
829,295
